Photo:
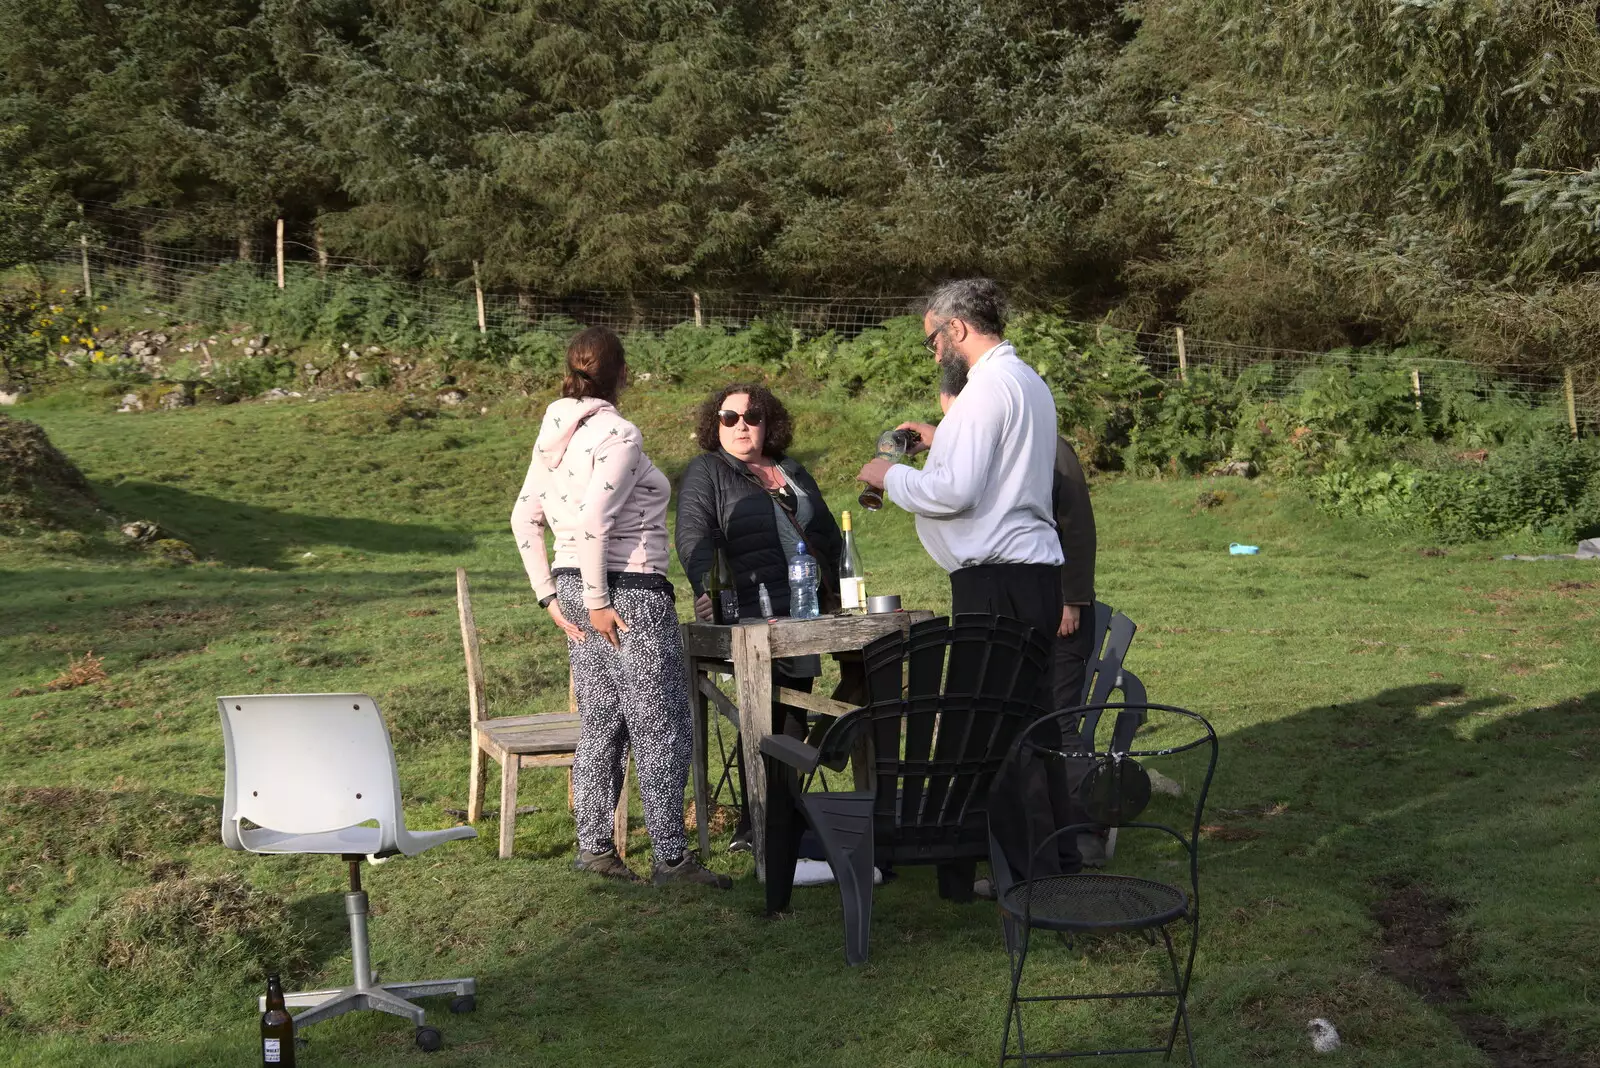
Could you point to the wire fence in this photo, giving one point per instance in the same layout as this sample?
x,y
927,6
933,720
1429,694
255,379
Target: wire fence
x,y
121,259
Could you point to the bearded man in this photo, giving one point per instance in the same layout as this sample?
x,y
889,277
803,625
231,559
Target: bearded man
x,y
983,497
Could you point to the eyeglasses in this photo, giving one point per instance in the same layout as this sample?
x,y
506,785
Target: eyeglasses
x,y
753,417
927,342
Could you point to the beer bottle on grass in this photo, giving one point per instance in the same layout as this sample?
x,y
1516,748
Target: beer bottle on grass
x,y
277,1028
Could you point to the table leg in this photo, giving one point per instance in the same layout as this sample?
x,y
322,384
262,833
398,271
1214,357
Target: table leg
x,y
861,762
752,669
698,716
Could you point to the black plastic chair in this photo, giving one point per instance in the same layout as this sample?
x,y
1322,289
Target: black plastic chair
x,y
1114,794
944,703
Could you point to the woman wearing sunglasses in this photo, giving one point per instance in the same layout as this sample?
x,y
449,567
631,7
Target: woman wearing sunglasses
x,y
591,484
764,503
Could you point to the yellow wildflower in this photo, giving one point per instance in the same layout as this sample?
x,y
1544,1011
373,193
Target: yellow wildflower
x,y
94,330
56,308
37,334
100,307
65,340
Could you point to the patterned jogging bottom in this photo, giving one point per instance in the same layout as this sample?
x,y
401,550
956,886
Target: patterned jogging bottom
x,y
634,696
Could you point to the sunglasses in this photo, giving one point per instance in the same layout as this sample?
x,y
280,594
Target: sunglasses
x,y
927,342
753,417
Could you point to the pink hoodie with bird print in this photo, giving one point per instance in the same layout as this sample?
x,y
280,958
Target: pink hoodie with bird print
x,y
592,485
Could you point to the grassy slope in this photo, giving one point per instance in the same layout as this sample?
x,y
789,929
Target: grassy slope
x,y
1404,718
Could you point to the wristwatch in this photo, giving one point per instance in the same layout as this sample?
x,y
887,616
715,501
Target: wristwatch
x,y
544,602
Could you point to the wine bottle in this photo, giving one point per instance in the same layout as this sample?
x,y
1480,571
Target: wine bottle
x,y
852,578
719,584
277,1028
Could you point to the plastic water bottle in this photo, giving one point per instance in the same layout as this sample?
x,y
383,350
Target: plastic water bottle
x,y
803,585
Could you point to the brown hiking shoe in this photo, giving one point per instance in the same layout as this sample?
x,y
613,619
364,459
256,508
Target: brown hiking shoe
x,y
688,870
608,864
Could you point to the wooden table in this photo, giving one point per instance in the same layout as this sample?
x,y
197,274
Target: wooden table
x,y
747,650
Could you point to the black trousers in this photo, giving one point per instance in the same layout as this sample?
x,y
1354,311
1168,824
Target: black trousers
x,y
1072,661
1030,593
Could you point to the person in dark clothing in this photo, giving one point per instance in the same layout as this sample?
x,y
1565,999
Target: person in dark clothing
x,y
764,503
1075,526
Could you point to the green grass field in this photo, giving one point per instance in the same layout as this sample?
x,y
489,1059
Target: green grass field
x,y
1389,719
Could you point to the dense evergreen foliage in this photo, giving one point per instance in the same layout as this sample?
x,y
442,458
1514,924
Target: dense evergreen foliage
x,y
1306,174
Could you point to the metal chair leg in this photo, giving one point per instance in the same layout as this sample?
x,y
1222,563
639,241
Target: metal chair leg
x,y
1180,981
366,992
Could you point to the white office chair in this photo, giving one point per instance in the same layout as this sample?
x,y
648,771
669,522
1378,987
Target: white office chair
x,y
311,772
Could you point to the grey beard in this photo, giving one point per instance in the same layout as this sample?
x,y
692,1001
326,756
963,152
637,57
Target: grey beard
x,y
952,375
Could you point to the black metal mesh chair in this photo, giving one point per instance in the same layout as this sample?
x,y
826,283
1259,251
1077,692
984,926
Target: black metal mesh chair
x,y
944,703
1115,793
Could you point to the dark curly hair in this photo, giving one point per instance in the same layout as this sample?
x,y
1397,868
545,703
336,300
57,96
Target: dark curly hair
x,y
779,430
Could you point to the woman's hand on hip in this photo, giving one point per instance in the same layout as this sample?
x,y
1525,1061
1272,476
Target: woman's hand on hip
x,y
702,608
567,625
608,624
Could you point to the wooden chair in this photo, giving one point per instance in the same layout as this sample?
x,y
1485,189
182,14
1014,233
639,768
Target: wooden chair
x,y
517,742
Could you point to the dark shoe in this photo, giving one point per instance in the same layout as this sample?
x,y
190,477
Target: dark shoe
x,y
608,864
688,870
741,842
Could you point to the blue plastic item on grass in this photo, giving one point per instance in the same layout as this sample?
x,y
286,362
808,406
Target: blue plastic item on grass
x,y
1243,550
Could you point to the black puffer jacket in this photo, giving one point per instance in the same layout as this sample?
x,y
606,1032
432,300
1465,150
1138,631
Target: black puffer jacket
x,y
719,492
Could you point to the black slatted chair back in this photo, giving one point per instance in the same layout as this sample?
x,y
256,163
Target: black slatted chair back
x,y
944,703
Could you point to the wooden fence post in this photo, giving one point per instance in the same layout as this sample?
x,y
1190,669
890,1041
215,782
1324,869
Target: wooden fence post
x,y
1183,356
699,319
280,253
477,287
83,248
1572,404
1416,387
321,247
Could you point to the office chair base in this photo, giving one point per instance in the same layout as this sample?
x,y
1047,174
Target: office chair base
x,y
391,998
367,992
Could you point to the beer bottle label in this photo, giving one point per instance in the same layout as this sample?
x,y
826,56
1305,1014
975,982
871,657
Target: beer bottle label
x,y
729,603
852,593
271,1052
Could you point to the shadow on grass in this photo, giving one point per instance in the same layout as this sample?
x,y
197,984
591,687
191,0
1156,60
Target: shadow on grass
x,y
1315,817
1312,814
249,535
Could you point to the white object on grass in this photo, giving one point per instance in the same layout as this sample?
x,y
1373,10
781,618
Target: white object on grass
x,y
819,873
1324,1039
1163,785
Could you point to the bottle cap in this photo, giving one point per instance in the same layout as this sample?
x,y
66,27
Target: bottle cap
x,y
846,520
799,547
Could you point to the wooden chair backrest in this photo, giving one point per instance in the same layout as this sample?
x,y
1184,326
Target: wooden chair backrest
x,y
476,692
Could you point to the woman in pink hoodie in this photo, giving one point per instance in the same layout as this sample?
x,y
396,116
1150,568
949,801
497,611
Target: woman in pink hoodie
x,y
591,484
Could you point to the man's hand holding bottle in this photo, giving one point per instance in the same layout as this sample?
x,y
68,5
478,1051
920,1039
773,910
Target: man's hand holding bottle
x,y
924,439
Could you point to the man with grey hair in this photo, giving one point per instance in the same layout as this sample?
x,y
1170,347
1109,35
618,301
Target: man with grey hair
x,y
983,502
983,497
